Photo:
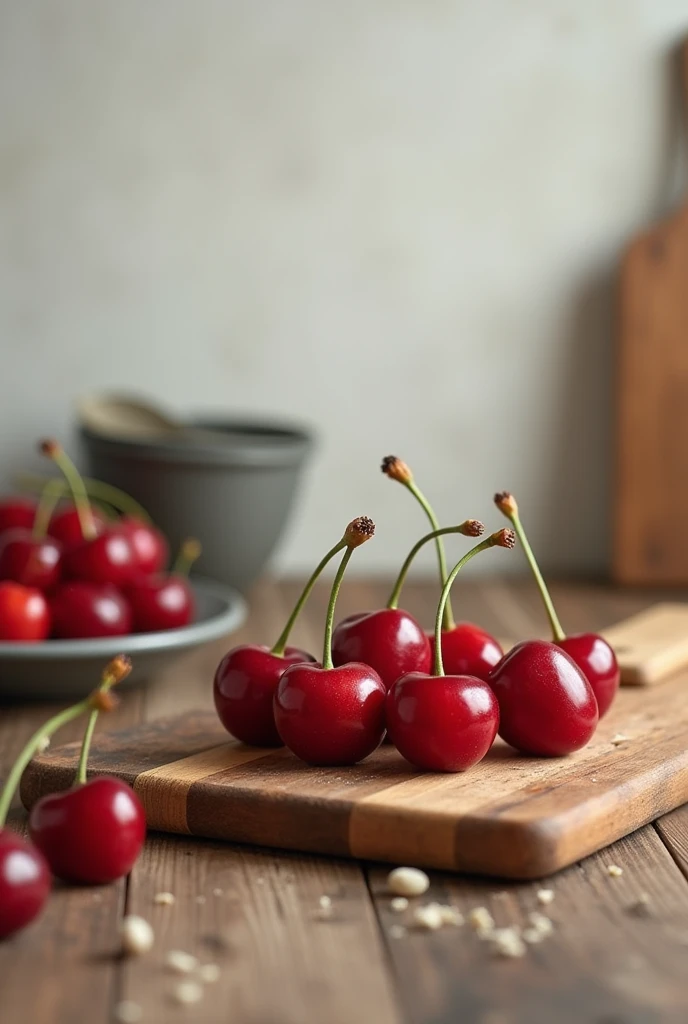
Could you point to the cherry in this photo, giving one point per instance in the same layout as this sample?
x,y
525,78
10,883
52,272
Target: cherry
x,y
590,652
328,715
546,704
24,882
165,600
17,512
439,722
30,560
24,613
91,834
150,546
65,526
81,609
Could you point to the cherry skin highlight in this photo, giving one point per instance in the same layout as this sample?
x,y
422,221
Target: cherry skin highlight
x,y
546,704
34,562
442,723
80,609
468,650
24,882
390,640
106,558
17,513
24,613
597,661
244,689
161,602
332,716
91,834
150,546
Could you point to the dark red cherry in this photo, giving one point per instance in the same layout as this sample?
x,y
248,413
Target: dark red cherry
x,y
17,513
24,882
389,640
468,650
32,561
161,602
91,834
65,526
107,558
24,613
332,716
151,550
80,609
597,661
244,689
546,704
442,723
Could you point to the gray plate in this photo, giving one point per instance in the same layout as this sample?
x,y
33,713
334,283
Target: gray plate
x,y
72,668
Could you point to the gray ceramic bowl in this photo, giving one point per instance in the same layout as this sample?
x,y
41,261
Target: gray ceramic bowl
x,y
71,668
235,495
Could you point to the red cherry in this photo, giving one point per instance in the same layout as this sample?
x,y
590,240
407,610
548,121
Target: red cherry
x,y
91,834
17,512
330,716
546,704
244,688
24,613
389,640
161,602
597,661
33,561
81,609
107,558
65,526
442,723
468,650
24,882
151,550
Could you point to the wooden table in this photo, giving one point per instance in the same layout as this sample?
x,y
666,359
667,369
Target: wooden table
x,y
255,913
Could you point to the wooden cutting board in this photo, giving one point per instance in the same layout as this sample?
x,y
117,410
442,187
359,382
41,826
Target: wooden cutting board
x,y
510,816
651,486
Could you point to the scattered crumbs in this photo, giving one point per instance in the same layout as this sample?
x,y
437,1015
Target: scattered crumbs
x,y
200,899
217,892
399,904
43,744
451,915
408,882
508,942
325,903
482,922
209,973
164,899
137,935
641,907
188,992
397,931
545,896
618,739
127,1012
614,871
532,936
179,962
540,923
428,917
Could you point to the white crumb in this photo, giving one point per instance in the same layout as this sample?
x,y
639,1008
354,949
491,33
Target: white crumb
x,y
614,870
508,942
127,1012
540,923
532,936
451,915
594,778
545,896
397,931
164,899
399,904
325,903
408,882
482,922
43,744
617,740
217,892
428,917
188,992
209,973
180,962
137,935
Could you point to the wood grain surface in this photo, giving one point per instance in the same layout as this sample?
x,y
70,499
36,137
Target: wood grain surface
x,y
255,913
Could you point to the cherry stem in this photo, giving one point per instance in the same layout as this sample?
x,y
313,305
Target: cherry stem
x,y
188,553
441,557
401,578
77,487
281,642
558,633
50,495
336,584
85,748
438,667
96,489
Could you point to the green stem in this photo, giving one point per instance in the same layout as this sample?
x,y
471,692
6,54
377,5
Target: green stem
x,y
441,557
558,633
188,553
45,731
96,489
438,667
50,496
85,748
401,578
327,646
281,643
78,489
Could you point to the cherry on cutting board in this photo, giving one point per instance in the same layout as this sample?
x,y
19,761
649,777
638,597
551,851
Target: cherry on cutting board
x,y
590,652
81,609
24,613
17,513
25,882
327,715
445,723
164,600
466,648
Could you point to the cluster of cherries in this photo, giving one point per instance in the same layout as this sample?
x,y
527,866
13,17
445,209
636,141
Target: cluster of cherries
x,y
68,572
441,698
90,834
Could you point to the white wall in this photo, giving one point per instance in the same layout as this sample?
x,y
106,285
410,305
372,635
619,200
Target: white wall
x,y
399,219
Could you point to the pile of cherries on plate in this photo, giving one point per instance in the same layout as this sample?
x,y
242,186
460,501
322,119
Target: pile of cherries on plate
x,y
68,572
441,698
